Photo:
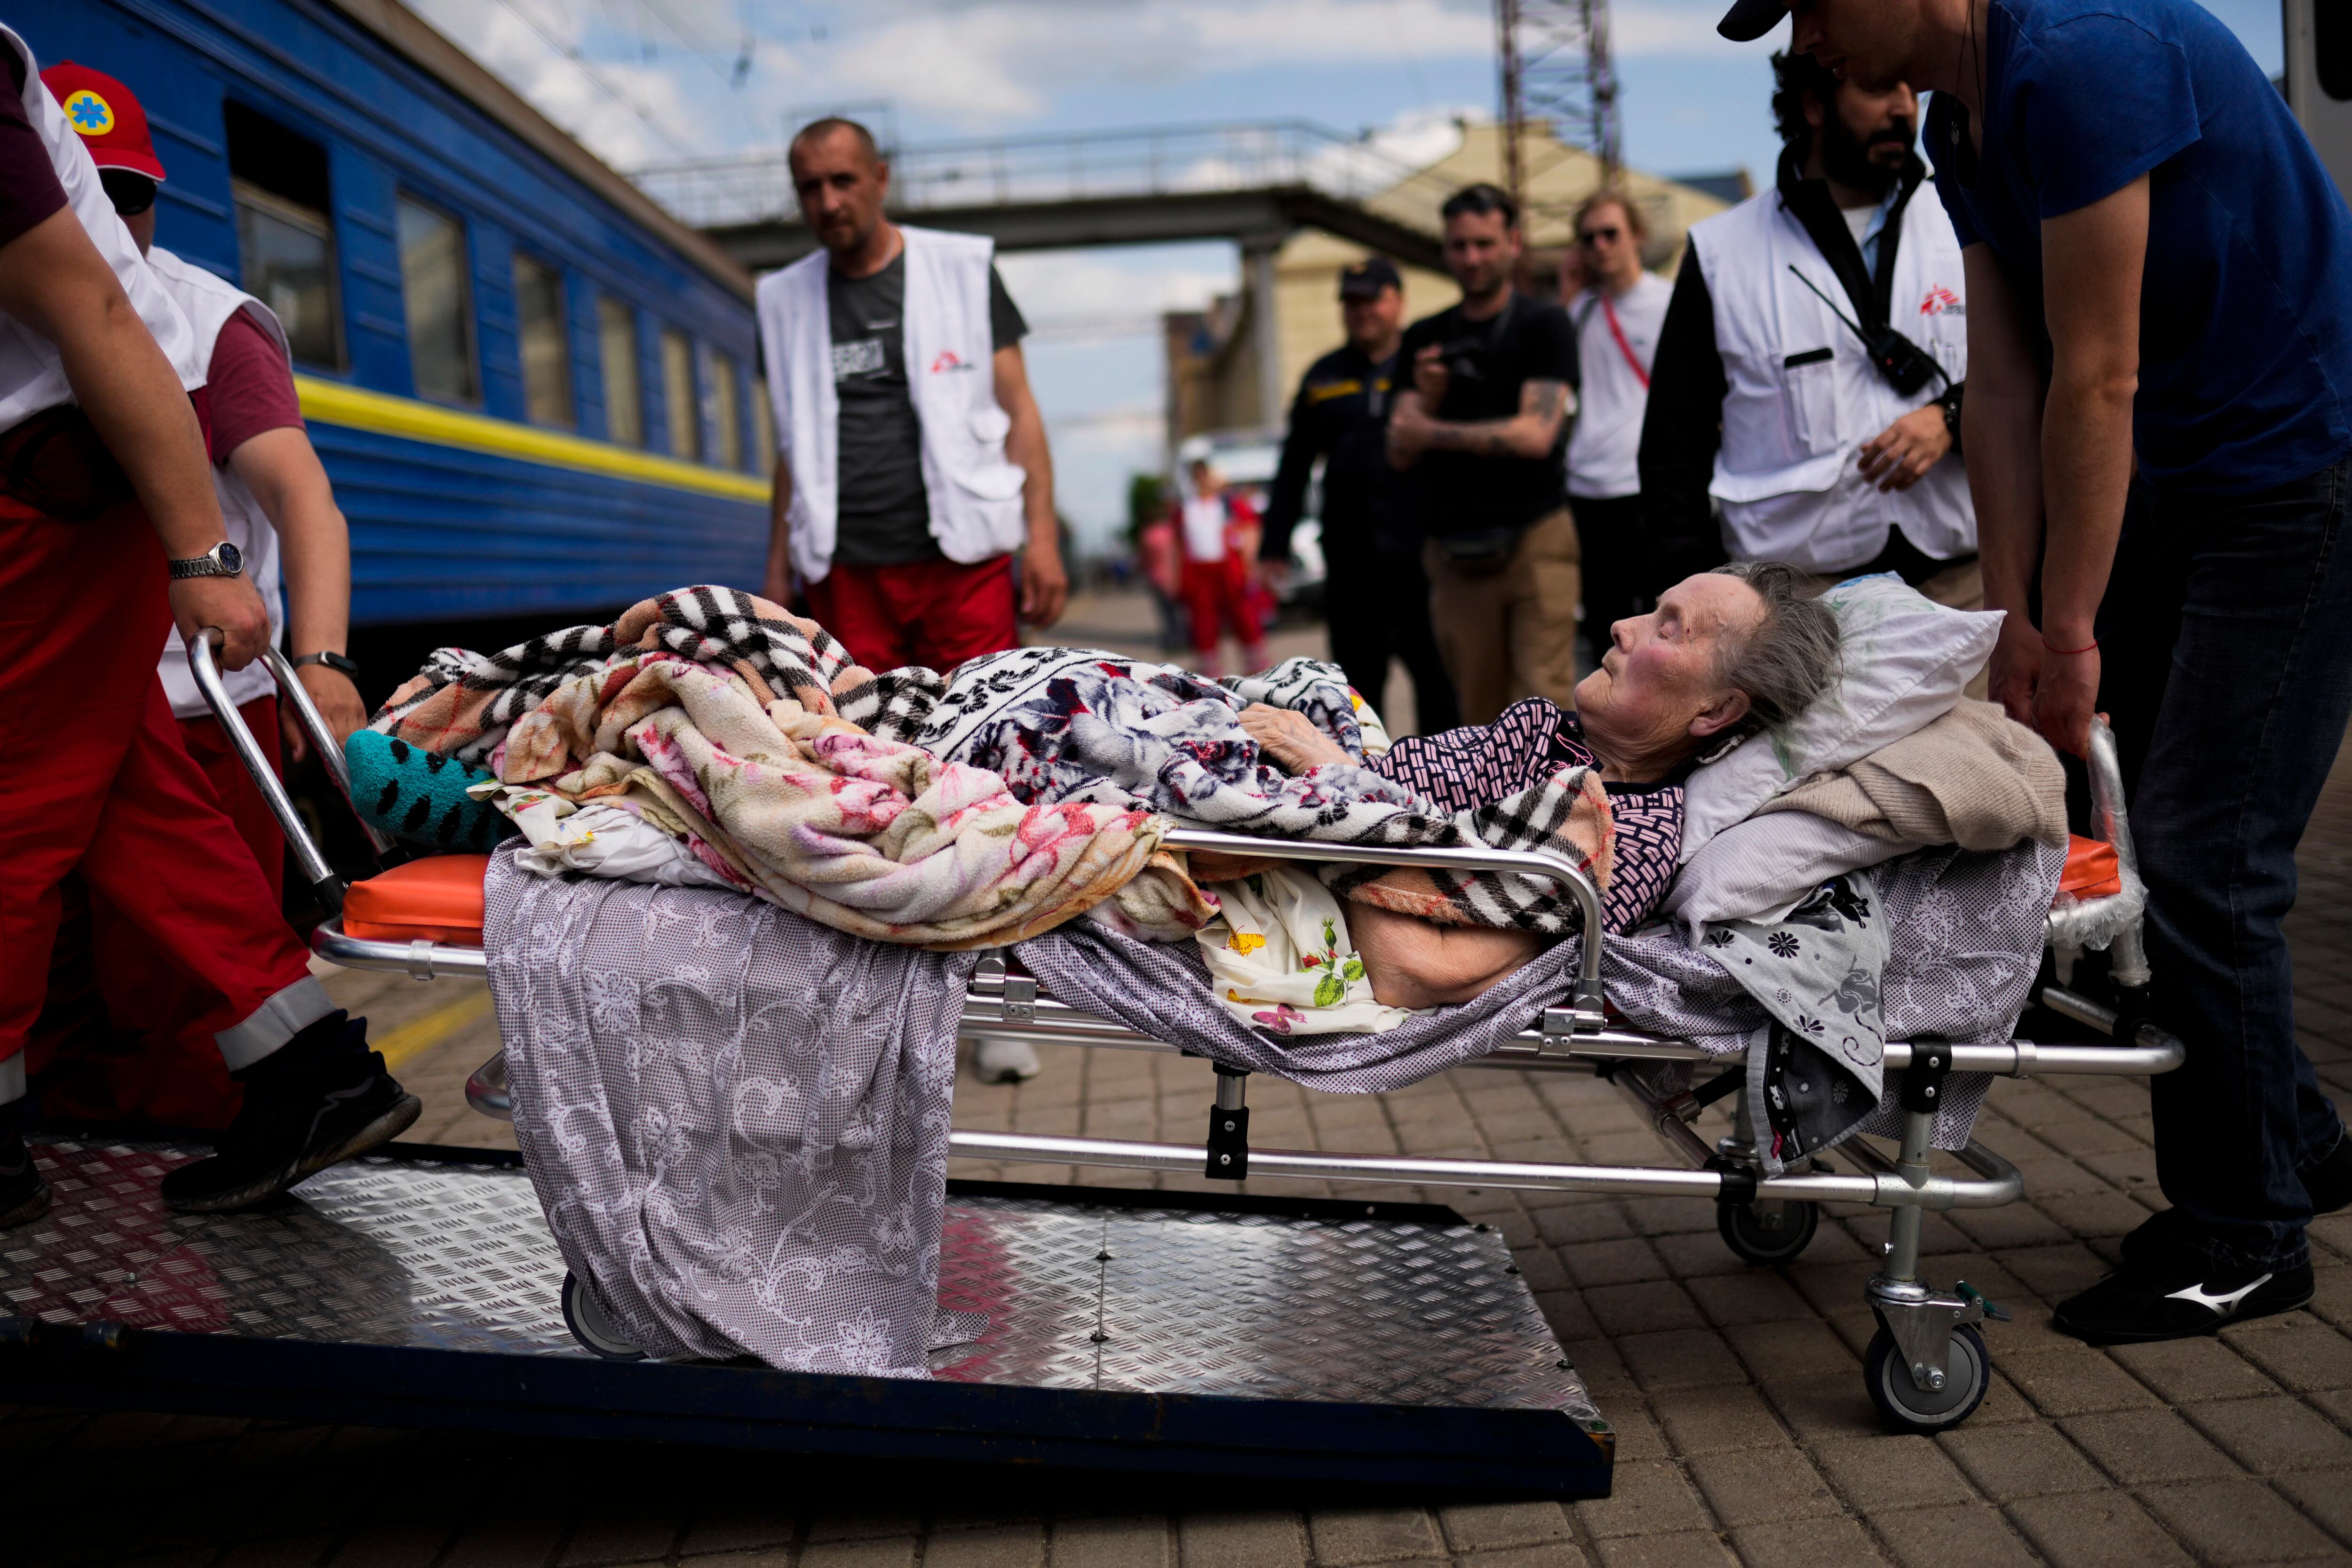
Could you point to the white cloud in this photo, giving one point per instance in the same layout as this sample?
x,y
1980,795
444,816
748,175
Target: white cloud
x,y
1001,61
1672,27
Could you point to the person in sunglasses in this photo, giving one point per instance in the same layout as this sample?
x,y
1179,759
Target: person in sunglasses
x,y
1617,316
1808,379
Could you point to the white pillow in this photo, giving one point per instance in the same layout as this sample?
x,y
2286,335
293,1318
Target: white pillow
x,y
1906,661
1758,869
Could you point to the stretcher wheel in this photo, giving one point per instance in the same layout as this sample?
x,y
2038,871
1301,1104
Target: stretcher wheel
x,y
590,1327
1907,1406
1768,1232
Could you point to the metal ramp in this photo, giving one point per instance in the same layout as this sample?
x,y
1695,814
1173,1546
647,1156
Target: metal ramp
x,y
1317,1340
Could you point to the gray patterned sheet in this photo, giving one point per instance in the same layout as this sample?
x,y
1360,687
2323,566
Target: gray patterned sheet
x,y
736,1119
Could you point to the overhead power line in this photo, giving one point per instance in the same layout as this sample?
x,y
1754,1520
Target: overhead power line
x,y
580,62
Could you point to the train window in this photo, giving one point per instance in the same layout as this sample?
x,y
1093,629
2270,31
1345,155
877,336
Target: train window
x,y
287,257
678,395
725,413
286,244
617,335
432,275
546,342
763,427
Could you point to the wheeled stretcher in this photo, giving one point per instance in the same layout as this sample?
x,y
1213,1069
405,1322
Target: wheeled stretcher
x,y
1927,1369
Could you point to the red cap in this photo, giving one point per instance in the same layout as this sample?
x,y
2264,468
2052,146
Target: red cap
x,y
112,124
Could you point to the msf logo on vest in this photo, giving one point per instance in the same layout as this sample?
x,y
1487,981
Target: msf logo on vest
x,y
949,359
1942,302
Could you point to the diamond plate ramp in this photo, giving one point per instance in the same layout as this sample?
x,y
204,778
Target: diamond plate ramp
x,y
1140,1331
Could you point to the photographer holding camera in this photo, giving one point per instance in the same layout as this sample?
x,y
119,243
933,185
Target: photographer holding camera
x,y
1808,376
1485,423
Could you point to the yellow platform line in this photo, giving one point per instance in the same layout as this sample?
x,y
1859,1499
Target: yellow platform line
x,y
419,1034
356,408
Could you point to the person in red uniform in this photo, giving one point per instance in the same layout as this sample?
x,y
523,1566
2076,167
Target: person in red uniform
x,y
1222,588
111,535
118,1021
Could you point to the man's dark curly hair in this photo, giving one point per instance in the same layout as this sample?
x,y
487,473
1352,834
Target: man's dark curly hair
x,y
1796,77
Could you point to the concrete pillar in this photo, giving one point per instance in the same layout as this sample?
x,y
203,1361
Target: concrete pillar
x,y
1257,270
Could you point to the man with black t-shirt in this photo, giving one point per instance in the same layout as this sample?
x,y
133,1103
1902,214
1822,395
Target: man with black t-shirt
x,y
911,459
1483,426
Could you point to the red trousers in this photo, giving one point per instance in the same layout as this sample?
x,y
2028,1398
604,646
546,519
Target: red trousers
x,y
114,1044
1217,594
97,782
934,613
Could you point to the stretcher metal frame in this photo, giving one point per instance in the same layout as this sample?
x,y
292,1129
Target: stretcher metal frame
x,y
1927,1369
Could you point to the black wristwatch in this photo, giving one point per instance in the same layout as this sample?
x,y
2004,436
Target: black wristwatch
x,y
223,560
337,661
1950,404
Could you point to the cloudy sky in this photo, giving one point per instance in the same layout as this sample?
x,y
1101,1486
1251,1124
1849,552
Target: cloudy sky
x,y
650,80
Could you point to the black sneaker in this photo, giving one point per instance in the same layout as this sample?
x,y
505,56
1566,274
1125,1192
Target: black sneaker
x,y
321,1098
24,1197
2139,1306
2327,1181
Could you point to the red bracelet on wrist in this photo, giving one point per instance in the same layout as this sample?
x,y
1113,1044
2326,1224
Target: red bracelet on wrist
x,y
2091,647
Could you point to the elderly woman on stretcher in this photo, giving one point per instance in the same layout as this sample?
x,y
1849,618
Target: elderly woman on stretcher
x,y
1725,654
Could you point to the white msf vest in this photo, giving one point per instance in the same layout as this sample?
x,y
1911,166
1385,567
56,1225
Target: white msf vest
x,y
974,493
32,377
208,302
1786,473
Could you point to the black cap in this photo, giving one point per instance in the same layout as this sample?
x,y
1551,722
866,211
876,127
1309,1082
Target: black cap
x,y
1367,278
1748,20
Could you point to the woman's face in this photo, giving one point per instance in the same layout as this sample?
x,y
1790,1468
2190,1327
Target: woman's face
x,y
1659,691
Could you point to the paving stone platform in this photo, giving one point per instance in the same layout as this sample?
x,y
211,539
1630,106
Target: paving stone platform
x,y
1745,1436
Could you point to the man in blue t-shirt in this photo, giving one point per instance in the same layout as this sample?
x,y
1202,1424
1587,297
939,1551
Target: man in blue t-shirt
x,y
2159,417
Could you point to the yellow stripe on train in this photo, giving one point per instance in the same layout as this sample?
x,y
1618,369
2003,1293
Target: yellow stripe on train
x,y
354,408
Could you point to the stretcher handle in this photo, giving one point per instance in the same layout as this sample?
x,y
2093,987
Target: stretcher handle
x,y
2128,954
1557,868
325,885
322,741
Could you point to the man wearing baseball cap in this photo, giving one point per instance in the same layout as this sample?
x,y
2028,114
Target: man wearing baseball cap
x,y
1375,594
2159,429
272,489
110,534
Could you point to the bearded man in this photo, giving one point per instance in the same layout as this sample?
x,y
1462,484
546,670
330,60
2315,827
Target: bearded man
x,y
1807,377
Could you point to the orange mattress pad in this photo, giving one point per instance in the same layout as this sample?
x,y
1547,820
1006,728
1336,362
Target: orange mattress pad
x,y
438,899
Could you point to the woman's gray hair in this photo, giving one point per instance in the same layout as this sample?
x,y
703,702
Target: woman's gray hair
x,y
1792,655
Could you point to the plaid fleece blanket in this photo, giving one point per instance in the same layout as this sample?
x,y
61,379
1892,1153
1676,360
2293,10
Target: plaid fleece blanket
x,y
1068,725
462,702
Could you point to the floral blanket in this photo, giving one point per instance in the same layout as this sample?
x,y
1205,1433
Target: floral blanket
x,y
810,812
1069,725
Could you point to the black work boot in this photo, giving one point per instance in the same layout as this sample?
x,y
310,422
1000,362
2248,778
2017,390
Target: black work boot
x,y
24,1197
321,1098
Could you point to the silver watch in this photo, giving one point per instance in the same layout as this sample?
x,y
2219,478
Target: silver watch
x,y
223,560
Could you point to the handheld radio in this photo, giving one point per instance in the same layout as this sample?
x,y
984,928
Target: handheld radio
x,y
1905,365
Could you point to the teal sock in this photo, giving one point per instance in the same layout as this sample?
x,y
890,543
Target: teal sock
x,y
412,793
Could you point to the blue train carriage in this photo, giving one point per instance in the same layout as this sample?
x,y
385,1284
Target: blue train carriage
x,y
531,387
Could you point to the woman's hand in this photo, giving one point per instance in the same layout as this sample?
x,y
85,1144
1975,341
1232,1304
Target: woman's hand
x,y
1290,738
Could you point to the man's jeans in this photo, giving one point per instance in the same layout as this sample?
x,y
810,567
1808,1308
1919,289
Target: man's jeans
x,y
2226,645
